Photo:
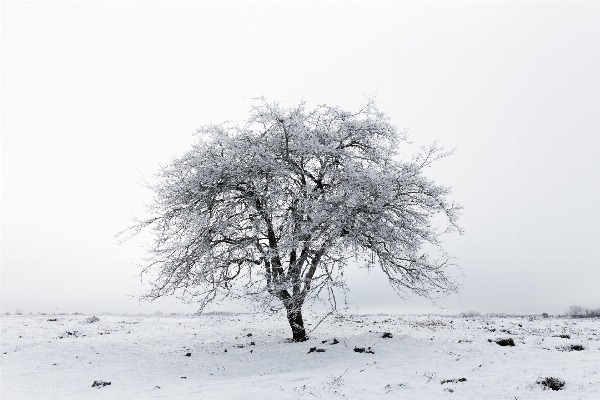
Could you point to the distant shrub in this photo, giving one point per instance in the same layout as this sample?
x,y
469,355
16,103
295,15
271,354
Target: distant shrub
x,y
551,383
91,320
470,314
157,313
18,312
583,312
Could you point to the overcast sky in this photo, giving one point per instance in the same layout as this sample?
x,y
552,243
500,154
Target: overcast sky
x,y
96,95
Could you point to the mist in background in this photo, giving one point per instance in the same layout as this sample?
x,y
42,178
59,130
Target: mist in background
x,y
97,95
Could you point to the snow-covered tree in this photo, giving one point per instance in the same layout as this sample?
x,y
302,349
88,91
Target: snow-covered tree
x,y
274,210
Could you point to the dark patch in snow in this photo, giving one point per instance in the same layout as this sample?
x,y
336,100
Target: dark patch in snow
x,y
100,384
503,341
563,336
387,335
551,383
363,350
51,319
70,334
190,354
335,341
573,347
314,349
453,380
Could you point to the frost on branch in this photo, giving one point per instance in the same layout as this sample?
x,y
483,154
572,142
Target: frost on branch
x,y
275,209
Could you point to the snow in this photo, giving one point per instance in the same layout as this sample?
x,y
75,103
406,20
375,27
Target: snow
x,y
145,357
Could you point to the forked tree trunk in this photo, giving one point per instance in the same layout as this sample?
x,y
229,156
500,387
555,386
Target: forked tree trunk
x,y
294,315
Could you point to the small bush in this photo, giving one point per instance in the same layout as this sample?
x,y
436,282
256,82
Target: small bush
x,y
551,383
573,347
470,314
92,319
387,335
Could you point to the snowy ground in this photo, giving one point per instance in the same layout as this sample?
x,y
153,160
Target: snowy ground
x,y
145,357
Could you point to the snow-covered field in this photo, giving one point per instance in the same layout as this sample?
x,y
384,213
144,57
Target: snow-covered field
x,y
245,356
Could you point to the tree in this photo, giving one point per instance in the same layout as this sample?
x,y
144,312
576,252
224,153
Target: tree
x,y
274,210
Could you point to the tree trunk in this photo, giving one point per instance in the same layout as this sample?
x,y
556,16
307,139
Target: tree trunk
x,y
294,315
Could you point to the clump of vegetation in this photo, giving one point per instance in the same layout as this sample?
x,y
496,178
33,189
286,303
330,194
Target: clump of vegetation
x,y
92,319
551,383
583,312
387,335
503,341
572,347
563,336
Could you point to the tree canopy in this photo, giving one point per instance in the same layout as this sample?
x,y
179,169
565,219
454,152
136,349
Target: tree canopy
x,y
276,209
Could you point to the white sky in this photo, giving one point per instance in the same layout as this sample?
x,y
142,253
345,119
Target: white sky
x,y
96,95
